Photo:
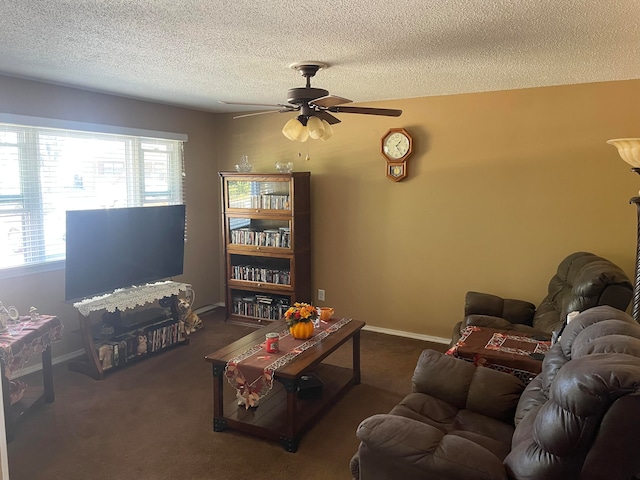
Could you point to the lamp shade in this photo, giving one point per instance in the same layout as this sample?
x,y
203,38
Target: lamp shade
x,y
316,127
628,149
328,130
295,130
302,127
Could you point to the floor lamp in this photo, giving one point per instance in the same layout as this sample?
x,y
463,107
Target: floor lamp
x,y
629,150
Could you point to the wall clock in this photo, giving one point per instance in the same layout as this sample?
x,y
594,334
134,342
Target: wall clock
x,y
396,147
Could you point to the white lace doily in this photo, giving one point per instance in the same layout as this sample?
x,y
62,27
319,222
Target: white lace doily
x,y
124,298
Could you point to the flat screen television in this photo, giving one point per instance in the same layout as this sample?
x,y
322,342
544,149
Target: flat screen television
x,y
116,248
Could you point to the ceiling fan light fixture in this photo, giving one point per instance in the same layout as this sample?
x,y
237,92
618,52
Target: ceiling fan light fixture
x,y
294,130
316,127
328,130
303,127
304,135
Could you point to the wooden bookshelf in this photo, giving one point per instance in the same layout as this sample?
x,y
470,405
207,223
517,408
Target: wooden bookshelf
x,y
266,237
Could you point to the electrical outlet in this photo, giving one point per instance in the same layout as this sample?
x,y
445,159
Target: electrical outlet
x,y
320,295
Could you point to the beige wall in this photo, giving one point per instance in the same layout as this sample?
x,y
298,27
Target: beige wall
x,y
46,290
501,187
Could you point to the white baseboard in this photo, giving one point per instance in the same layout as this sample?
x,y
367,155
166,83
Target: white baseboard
x,y
415,336
206,308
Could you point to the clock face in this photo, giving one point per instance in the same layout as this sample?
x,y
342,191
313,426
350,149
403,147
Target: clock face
x,y
396,145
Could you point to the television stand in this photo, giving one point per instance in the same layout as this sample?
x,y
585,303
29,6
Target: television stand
x,y
113,349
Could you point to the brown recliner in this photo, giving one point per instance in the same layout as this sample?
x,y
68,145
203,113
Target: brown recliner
x,y
583,280
578,419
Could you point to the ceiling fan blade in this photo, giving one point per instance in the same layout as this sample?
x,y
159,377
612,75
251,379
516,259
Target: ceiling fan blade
x,y
329,101
366,111
324,115
257,113
281,105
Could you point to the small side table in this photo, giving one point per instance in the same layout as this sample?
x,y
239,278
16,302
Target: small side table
x,y
509,351
16,348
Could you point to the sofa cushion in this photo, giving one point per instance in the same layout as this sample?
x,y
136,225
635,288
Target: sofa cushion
x,y
469,421
515,311
463,385
427,409
446,418
398,447
494,394
434,373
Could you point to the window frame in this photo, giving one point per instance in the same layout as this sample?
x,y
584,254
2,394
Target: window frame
x,y
30,197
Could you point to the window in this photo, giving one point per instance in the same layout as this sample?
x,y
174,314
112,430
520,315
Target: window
x,y
46,171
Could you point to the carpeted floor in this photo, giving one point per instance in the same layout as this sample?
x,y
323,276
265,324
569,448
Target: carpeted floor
x,y
153,420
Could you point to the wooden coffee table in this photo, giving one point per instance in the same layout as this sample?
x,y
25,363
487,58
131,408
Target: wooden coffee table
x,y
281,415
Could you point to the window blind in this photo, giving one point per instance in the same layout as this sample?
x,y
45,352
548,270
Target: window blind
x,y
46,171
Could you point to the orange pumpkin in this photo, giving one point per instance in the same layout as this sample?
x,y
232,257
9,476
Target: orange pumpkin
x,y
301,330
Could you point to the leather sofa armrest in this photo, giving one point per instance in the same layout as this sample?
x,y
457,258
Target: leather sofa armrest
x,y
501,324
487,321
398,447
515,311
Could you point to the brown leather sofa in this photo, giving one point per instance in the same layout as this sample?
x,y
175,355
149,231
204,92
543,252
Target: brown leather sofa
x,y
578,419
582,280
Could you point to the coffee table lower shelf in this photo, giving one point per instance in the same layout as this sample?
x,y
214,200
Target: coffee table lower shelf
x,y
269,419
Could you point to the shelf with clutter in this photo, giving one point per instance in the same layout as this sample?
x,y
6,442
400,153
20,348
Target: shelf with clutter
x,y
133,323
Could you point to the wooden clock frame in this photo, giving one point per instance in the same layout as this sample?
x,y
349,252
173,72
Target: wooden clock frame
x,y
396,171
396,167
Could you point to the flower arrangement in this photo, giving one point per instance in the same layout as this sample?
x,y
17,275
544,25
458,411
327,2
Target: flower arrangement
x,y
300,312
300,319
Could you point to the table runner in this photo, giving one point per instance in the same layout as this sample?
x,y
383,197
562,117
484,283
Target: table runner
x,y
251,372
29,338
125,298
508,352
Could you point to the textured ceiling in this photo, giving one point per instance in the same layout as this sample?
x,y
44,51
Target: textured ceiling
x,y
194,53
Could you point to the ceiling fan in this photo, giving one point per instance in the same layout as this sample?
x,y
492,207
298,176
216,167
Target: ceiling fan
x,y
315,106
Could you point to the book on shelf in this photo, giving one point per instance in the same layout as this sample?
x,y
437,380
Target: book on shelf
x,y
128,343
105,356
278,238
260,306
260,274
162,335
270,201
124,348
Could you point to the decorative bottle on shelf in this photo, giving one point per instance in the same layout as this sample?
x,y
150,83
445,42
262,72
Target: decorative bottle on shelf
x,y
244,166
284,167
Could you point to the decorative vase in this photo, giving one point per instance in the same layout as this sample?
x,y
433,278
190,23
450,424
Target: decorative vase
x,y
300,318
301,330
282,167
244,166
